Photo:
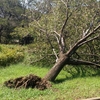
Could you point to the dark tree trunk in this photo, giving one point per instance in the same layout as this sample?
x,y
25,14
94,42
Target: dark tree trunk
x,y
55,70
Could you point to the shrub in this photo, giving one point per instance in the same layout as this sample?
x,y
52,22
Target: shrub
x,y
10,54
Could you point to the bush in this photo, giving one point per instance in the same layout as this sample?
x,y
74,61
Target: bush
x,y
10,54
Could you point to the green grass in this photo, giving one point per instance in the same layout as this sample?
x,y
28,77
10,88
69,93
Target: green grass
x,y
72,88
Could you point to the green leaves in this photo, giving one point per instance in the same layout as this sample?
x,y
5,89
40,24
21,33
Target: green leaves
x,y
10,55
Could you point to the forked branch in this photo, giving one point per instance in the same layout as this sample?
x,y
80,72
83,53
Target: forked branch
x,y
83,41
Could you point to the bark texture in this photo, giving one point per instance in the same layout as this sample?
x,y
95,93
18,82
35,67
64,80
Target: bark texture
x,y
55,70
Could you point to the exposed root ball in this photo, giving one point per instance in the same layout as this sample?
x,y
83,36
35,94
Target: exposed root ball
x,y
31,81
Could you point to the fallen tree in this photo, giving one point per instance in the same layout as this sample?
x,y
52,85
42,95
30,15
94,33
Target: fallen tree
x,y
85,40
78,40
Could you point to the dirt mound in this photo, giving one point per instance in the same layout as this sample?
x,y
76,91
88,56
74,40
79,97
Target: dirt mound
x,y
30,81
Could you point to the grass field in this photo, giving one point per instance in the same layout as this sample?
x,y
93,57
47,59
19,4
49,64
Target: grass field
x,y
72,88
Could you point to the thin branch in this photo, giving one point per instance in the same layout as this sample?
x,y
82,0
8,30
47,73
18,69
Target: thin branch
x,y
64,3
87,31
87,54
78,55
55,54
42,30
56,33
52,46
96,37
57,39
62,44
90,27
76,46
49,40
65,22
91,33
82,62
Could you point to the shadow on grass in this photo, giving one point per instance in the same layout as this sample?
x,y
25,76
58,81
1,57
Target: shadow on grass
x,y
73,72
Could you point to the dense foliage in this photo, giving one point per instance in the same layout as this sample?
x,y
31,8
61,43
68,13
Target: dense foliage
x,y
11,15
10,54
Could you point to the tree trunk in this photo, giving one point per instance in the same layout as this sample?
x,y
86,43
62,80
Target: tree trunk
x,y
55,70
66,57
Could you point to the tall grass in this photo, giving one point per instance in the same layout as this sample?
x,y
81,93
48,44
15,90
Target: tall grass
x,y
65,87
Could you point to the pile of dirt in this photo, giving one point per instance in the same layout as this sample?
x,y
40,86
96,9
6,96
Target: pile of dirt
x,y
30,81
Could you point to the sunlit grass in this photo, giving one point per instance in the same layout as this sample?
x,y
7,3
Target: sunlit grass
x,y
20,70
63,88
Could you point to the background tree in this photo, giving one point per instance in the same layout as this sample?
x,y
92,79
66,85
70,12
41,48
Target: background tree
x,y
11,12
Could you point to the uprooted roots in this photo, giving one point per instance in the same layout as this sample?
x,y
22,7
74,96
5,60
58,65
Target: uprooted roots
x,y
31,81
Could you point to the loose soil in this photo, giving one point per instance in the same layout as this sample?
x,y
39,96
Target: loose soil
x,y
30,81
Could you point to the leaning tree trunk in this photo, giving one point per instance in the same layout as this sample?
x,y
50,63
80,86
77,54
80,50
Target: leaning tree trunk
x,y
65,58
55,70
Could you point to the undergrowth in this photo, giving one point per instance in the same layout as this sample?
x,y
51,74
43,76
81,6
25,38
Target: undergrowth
x,y
10,54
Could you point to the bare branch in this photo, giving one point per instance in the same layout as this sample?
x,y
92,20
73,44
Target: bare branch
x,y
55,54
64,3
66,20
57,39
96,37
77,45
87,54
90,27
92,32
56,33
86,32
52,46
62,44
82,62
42,30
